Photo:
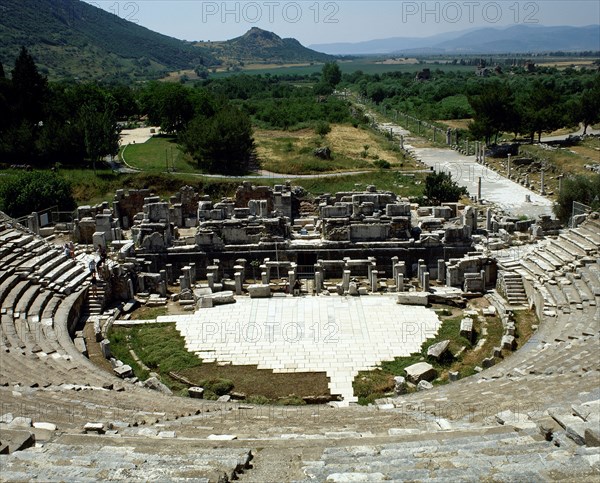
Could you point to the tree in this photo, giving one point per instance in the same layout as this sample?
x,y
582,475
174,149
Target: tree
x,y
32,191
30,87
583,189
331,74
587,106
168,105
2,75
322,128
97,118
201,71
222,143
440,187
493,110
541,109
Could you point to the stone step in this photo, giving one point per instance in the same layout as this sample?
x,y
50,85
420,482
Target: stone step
x,y
13,296
559,252
539,261
590,236
6,287
27,298
549,258
572,245
54,261
557,294
63,266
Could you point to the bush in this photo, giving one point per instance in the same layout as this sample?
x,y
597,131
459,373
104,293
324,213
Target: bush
x,y
382,164
322,128
258,400
582,189
219,386
440,187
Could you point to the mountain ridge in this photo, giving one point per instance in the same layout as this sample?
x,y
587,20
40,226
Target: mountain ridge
x,y
512,39
71,39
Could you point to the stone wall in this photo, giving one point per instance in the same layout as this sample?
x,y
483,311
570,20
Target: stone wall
x,y
127,205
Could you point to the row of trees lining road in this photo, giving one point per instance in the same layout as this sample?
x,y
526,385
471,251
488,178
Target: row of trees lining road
x,y
521,103
533,109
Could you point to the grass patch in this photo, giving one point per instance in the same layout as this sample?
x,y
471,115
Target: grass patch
x,y
156,153
389,180
148,313
353,148
524,322
159,346
162,349
372,385
262,385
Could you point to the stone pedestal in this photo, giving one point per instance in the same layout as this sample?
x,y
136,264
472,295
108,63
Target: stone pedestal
x,y
264,278
374,276
210,277
238,283
183,283
292,279
318,282
186,272
425,282
420,264
240,269
193,273
346,280
441,271
400,282
162,288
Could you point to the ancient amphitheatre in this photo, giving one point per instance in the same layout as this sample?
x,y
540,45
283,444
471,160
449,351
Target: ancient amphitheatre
x,y
528,415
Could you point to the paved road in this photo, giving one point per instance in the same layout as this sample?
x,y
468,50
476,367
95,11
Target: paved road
x,y
506,194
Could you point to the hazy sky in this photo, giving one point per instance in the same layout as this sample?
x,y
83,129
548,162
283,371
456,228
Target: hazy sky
x,y
312,21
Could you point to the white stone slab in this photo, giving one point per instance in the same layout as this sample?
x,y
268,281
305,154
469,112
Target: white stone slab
x,y
336,335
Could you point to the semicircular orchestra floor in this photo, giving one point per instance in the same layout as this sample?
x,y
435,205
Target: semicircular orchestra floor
x,y
337,335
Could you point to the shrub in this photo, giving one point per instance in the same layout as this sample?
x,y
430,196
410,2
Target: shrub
x,y
440,187
382,164
322,128
581,189
218,386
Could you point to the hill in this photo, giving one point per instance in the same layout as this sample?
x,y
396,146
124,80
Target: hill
x,y
261,46
514,39
72,39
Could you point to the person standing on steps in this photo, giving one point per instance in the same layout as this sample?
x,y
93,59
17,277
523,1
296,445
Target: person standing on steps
x,y
102,253
94,285
92,265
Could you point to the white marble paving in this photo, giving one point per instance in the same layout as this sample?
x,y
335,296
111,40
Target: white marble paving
x,y
337,335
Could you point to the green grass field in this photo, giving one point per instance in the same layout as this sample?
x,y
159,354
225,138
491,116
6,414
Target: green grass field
x,y
156,154
369,65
